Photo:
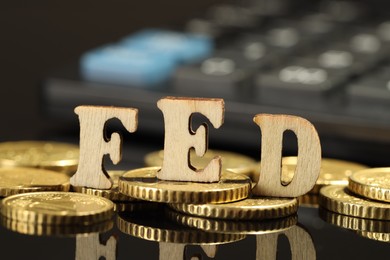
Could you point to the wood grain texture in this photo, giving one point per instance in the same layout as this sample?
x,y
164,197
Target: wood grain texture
x,y
174,251
171,251
90,247
210,250
308,162
180,138
94,144
301,244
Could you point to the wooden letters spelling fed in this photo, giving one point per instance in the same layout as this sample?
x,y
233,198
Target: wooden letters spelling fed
x,y
180,138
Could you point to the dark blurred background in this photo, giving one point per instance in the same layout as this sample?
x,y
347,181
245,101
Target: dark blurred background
x,y
38,37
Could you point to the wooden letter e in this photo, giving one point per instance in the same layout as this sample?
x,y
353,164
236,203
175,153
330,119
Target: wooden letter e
x,y
180,138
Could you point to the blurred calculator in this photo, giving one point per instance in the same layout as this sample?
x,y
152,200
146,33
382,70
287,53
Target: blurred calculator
x,y
327,61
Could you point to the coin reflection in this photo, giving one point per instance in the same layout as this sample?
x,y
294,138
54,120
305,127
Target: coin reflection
x,y
382,237
91,247
354,223
54,230
233,226
301,244
174,251
373,229
154,225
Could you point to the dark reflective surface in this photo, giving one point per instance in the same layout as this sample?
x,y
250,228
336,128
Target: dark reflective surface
x,y
311,238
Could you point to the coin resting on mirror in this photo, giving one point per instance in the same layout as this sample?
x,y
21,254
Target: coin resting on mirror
x,y
180,139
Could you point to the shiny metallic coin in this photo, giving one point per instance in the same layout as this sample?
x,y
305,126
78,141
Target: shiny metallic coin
x,y
57,208
253,208
371,183
55,230
21,180
143,184
54,156
339,200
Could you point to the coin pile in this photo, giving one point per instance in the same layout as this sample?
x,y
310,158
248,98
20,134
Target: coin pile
x,y
224,207
364,203
34,178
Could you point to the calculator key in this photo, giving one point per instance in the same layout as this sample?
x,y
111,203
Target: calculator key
x,y
233,16
365,43
226,74
297,85
286,37
182,47
267,7
334,59
369,93
256,52
383,31
360,54
343,11
117,65
204,27
255,46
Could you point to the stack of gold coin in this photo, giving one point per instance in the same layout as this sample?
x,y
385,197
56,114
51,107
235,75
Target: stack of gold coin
x,y
366,196
54,156
340,200
143,184
333,172
363,204
21,180
247,209
51,212
371,183
122,201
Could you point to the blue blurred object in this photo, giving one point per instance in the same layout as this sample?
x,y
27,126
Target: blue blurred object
x,y
182,47
126,66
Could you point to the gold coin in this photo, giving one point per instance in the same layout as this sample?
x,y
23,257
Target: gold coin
x,y
57,208
235,226
55,230
333,171
230,161
338,199
21,180
254,208
354,223
154,225
383,237
371,183
143,184
39,154
111,194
